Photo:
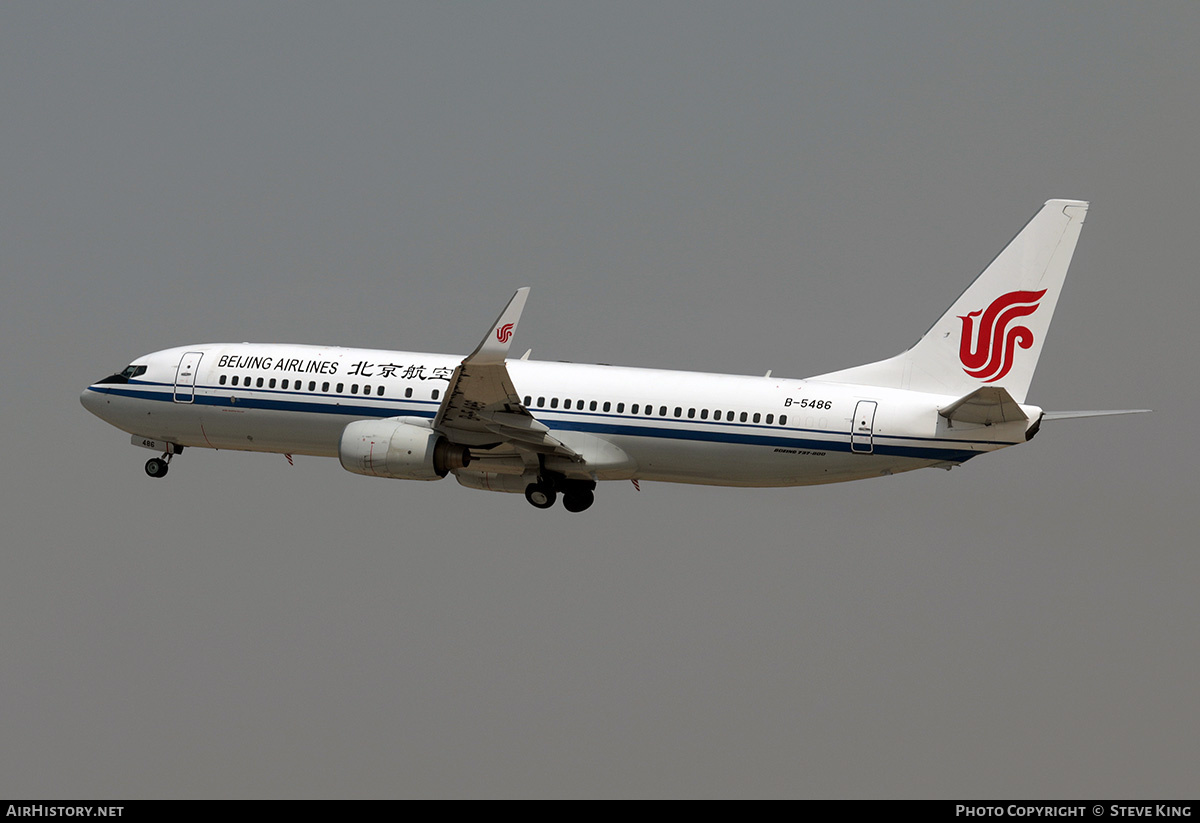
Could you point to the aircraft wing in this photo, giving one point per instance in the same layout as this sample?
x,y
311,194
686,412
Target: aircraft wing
x,y
482,408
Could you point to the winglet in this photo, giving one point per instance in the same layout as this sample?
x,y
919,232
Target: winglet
x,y
494,347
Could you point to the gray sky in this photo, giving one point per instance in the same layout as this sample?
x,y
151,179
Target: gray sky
x,y
721,187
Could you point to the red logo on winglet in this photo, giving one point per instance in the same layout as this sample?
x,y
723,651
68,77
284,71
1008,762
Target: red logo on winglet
x,y
988,351
504,333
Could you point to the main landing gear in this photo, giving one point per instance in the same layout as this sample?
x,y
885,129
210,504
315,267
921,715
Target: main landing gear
x,y
577,495
578,500
541,494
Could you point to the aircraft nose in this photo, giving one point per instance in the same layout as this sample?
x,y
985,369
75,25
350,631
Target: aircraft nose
x,y
91,400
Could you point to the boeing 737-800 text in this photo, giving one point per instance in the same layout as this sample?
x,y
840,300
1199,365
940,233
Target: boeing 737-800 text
x,y
545,429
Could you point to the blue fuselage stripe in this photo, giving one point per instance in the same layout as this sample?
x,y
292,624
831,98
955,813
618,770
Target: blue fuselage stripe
x,y
731,433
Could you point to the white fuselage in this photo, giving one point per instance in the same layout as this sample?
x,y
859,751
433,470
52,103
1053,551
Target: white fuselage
x,y
674,426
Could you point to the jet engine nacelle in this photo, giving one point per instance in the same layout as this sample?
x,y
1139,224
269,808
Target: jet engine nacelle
x,y
386,448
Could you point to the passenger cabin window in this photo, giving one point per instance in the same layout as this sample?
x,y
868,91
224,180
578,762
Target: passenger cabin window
x,y
408,392
662,411
770,418
579,405
435,394
340,387
678,411
272,383
324,387
691,412
284,384
633,409
554,402
704,414
592,406
743,417
783,419
607,406
259,383
379,391
222,380
354,388
527,400
729,415
757,417
312,385
541,402
620,408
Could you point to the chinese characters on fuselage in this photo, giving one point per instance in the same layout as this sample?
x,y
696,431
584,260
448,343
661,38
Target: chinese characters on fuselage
x,y
362,368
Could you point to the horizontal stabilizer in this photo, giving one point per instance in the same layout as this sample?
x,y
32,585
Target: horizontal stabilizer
x,y
986,405
1071,415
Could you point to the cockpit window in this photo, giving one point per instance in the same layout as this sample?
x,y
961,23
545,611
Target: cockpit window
x,y
123,377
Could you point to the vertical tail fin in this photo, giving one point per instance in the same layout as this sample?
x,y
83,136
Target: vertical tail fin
x,y
993,334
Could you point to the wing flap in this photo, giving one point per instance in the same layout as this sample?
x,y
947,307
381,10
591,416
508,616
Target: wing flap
x,y
534,435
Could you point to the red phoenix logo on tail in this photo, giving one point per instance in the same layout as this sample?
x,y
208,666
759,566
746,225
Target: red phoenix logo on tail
x,y
987,352
504,333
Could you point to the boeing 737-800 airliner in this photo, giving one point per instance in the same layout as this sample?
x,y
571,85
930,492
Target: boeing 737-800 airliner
x,y
545,429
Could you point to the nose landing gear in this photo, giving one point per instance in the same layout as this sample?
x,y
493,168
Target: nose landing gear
x,y
157,466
